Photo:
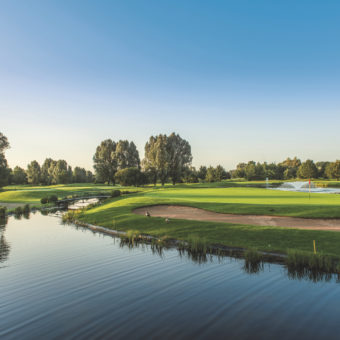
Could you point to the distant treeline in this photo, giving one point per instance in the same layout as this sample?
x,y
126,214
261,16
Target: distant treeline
x,y
166,158
50,172
288,169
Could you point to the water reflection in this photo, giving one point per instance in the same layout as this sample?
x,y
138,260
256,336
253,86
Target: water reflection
x,y
4,246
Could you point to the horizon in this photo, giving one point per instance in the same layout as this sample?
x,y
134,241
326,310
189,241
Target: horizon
x,y
239,83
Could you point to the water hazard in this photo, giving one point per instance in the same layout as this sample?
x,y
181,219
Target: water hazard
x,y
58,281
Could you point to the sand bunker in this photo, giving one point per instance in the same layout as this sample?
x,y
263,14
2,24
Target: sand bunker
x,y
189,213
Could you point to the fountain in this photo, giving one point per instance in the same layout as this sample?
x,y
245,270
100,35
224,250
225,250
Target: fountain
x,y
304,187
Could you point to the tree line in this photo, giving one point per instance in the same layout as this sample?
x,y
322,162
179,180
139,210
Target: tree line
x,y
166,158
288,169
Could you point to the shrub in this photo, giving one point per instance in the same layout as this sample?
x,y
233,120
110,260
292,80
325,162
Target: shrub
x,y
52,198
26,209
18,211
3,211
115,193
44,200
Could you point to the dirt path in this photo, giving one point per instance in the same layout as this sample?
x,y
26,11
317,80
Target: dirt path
x,y
189,213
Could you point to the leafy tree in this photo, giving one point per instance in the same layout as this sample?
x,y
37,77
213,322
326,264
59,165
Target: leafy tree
x,y
47,170
79,175
130,176
250,171
89,176
191,175
333,170
210,177
62,173
33,173
307,170
105,162
156,159
322,166
202,173
4,170
127,155
179,156
220,173
240,170
19,176
291,167
4,144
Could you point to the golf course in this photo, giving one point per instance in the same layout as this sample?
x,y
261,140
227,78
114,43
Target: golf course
x,y
241,199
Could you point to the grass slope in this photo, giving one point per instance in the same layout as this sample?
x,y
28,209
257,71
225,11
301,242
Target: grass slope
x,y
117,214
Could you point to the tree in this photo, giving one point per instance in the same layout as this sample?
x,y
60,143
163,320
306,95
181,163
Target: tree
x,y
179,156
105,162
127,155
240,170
89,176
4,170
220,173
333,170
291,167
79,175
322,166
130,176
210,177
202,173
156,159
19,176
33,173
47,170
307,169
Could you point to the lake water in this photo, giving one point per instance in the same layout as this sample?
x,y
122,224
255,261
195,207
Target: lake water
x,y
63,282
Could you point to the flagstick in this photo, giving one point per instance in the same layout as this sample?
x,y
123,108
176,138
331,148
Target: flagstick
x,y
309,189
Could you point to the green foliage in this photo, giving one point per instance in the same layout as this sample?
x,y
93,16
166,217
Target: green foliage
x,y
52,198
4,170
333,170
167,156
111,156
115,193
26,209
44,200
33,173
2,211
130,177
307,169
19,176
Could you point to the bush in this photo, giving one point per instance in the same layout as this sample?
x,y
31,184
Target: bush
x,y
53,199
3,211
18,211
115,193
26,209
44,200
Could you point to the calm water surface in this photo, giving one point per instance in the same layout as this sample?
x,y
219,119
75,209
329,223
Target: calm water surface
x,y
60,282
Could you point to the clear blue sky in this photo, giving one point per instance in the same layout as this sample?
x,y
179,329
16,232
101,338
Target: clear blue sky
x,y
240,80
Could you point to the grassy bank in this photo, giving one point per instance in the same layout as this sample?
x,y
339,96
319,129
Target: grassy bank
x,y
117,214
226,197
32,194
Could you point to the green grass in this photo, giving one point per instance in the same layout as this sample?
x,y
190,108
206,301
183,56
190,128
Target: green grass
x,y
224,197
33,194
117,214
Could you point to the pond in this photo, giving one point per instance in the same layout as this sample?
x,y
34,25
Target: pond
x,y
60,281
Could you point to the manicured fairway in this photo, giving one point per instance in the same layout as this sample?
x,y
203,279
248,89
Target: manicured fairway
x,y
228,197
117,214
